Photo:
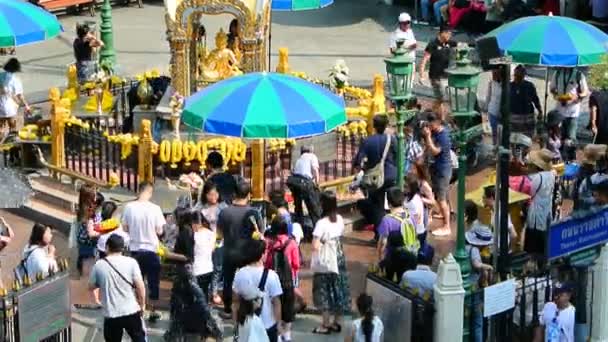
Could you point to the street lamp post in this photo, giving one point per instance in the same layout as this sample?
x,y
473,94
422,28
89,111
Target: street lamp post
x,y
107,56
463,80
399,69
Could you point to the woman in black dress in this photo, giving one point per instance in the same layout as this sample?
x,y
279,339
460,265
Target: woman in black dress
x,y
83,45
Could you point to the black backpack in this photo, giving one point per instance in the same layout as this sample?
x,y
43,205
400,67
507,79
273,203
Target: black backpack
x,y
281,265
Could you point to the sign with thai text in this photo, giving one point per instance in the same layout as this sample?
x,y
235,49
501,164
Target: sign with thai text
x,y
44,309
577,233
498,298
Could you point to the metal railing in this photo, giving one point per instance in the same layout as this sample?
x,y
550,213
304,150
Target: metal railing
x,y
90,153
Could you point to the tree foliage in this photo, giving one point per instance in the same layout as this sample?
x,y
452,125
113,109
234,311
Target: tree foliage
x,y
598,75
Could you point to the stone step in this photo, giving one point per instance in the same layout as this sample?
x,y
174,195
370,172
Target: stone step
x,y
41,211
54,192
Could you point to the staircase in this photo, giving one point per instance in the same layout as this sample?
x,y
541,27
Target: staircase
x,y
53,203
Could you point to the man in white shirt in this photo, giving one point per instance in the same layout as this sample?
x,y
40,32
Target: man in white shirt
x,y
144,222
405,34
569,87
122,293
302,184
557,319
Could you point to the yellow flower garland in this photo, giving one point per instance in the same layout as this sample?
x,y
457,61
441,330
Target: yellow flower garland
x,y
176,153
189,152
164,152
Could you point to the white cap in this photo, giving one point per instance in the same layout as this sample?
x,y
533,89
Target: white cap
x,y
403,17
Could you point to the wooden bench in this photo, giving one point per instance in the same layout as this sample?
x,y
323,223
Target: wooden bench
x,y
51,5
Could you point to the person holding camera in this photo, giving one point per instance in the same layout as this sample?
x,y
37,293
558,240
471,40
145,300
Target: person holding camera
x,y
83,46
438,145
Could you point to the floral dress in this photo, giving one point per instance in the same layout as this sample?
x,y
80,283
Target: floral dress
x,y
331,292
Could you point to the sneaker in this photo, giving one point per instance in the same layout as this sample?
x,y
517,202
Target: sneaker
x,y
441,232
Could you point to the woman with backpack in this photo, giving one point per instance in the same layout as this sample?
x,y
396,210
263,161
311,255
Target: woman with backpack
x,y
39,254
283,256
330,288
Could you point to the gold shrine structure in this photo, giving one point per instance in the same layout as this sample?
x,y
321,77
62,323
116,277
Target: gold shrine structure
x,y
182,18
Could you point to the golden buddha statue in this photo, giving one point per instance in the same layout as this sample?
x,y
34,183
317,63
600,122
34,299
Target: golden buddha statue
x,y
221,62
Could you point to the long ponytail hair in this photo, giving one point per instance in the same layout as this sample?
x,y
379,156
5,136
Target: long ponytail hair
x,y
364,305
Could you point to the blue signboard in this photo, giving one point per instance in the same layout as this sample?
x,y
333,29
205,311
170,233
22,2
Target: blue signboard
x,y
577,233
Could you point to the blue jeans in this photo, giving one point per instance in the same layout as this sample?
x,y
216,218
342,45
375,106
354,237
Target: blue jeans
x,y
437,10
494,125
477,316
425,10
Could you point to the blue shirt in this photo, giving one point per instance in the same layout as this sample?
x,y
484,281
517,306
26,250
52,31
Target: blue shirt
x,y
443,141
422,279
371,150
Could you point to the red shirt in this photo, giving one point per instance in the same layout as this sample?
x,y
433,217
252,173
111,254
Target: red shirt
x,y
291,252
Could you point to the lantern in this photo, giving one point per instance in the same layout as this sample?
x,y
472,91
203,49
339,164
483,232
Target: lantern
x,y
463,80
399,72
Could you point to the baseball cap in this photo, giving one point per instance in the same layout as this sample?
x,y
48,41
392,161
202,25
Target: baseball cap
x,y
562,287
404,17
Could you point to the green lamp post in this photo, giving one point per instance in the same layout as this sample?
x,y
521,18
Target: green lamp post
x,y
107,56
463,80
399,69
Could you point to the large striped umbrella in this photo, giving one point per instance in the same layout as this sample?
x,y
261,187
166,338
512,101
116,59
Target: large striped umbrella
x,y
299,5
22,23
551,41
264,105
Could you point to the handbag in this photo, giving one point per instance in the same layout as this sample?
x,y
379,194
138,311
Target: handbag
x,y
326,259
373,178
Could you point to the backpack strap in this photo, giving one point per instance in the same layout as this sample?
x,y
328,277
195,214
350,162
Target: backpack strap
x,y
262,284
386,146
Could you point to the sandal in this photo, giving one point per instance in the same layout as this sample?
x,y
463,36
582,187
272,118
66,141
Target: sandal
x,y
320,331
336,327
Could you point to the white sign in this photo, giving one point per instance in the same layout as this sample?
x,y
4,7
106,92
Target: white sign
x,y
498,298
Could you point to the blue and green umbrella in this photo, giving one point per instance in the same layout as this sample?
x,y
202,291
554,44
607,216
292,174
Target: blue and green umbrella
x,y
264,105
22,23
299,5
551,41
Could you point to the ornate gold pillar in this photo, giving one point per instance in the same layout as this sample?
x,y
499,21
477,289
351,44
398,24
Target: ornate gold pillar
x,y
257,170
145,171
179,68
60,109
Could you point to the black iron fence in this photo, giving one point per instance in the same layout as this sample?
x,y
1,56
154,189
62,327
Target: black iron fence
x,y
37,312
90,153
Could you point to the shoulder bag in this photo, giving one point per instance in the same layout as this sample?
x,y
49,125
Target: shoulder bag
x,y
119,274
373,178
326,258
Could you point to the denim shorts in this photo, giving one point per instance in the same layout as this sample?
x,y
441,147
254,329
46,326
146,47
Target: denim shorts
x,y
149,263
440,182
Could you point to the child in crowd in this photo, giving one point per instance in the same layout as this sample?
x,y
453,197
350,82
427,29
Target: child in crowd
x,y
415,207
283,257
369,327
554,134
295,231
108,226
209,204
558,316
250,325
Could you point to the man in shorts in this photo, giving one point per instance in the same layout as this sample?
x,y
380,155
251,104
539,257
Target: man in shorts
x,y
438,145
438,52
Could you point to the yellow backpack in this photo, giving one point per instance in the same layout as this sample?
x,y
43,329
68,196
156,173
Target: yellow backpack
x,y
408,231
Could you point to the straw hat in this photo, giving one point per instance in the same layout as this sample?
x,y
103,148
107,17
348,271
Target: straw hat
x,y
479,235
542,159
592,153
